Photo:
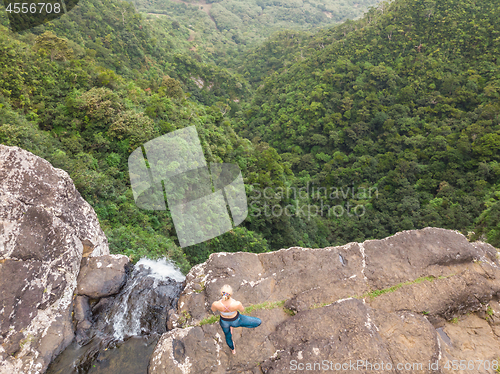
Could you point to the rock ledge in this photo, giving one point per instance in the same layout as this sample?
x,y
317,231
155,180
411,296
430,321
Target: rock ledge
x,y
421,296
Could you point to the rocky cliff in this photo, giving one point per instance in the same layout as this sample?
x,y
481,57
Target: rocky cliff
x,y
45,230
412,302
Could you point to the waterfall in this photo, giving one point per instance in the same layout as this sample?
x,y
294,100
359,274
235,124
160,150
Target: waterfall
x,y
162,269
126,326
151,284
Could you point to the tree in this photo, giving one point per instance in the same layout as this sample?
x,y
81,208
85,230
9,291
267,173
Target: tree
x,y
171,88
57,48
134,127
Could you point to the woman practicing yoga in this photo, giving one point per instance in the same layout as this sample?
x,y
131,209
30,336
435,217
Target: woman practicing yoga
x,y
230,316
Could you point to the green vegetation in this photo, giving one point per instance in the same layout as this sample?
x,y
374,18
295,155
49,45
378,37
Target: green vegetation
x,y
373,294
184,318
265,305
268,305
316,306
209,320
125,44
403,100
290,312
28,340
489,313
202,288
401,107
221,30
488,223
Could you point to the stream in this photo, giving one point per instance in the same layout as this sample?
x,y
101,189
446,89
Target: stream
x,y
126,326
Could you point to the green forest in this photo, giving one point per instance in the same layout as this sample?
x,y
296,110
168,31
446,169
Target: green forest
x,y
220,29
345,129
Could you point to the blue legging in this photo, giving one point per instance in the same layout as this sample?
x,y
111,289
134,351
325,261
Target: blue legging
x,y
240,321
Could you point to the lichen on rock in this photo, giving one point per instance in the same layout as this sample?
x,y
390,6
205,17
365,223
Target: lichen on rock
x,y
45,228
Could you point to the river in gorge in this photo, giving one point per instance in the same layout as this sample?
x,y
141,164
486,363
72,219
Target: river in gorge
x,y
126,326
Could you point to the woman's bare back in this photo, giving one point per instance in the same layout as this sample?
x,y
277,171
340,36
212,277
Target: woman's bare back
x,y
228,306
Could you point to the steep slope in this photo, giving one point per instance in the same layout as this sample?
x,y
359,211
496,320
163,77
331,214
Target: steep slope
x,y
86,120
65,87
250,21
120,39
405,101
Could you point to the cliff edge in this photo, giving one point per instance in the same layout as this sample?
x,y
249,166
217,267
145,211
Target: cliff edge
x,y
46,228
421,298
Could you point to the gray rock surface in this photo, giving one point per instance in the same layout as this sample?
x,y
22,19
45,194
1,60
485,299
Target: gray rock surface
x,y
102,276
420,297
351,332
82,316
45,229
82,310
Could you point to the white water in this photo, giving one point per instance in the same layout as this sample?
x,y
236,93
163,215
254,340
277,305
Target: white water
x,y
127,320
161,269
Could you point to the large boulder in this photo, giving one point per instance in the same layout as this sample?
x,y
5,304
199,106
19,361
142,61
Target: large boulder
x,y
420,297
45,229
102,276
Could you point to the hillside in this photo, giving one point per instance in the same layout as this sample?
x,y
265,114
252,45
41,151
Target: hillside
x,y
353,132
66,107
221,29
405,101
369,146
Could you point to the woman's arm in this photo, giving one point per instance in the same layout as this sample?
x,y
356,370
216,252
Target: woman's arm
x,y
240,307
213,307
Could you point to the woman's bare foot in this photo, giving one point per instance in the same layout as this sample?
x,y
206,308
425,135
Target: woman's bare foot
x,y
234,351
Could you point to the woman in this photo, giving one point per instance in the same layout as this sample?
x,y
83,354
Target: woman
x,y
230,316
